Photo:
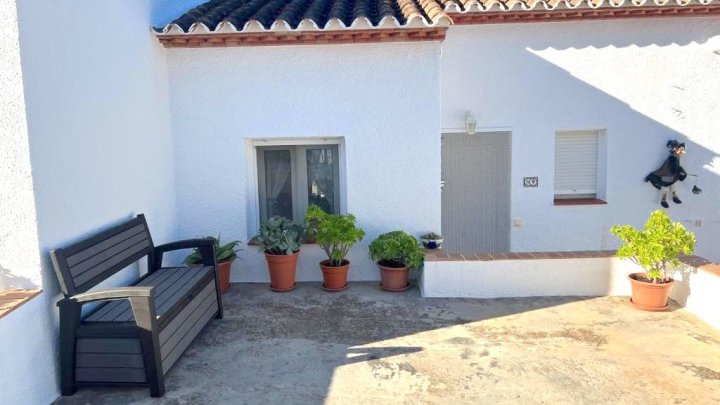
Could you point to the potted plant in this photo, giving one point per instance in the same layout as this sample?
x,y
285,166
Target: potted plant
x,y
279,239
431,240
225,254
656,248
335,234
396,253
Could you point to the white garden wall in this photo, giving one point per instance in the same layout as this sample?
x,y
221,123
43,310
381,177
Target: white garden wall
x,y
381,100
643,81
95,92
596,276
601,274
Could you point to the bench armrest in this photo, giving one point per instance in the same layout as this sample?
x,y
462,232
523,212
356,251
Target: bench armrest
x,y
205,245
117,293
142,303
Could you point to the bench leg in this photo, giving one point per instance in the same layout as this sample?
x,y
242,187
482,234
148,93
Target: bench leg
x,y
144,313
69,321
219,314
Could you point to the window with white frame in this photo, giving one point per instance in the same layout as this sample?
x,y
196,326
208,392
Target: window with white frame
x,y
291,178
578,165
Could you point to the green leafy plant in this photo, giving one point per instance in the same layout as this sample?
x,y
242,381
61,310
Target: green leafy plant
x,y
336,234
223,253
657,246
397,249
280,236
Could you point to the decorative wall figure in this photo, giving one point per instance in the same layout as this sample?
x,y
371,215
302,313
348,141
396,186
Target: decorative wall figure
x,y
669,173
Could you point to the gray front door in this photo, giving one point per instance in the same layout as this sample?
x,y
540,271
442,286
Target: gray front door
x,y
476,192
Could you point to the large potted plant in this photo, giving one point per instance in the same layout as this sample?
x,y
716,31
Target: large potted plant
x,y
225,254
656,248
279,239
396,253
335,234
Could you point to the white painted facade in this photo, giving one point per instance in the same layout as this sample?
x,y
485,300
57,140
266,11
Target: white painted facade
x,y
104,123
642,82
382,101
96,110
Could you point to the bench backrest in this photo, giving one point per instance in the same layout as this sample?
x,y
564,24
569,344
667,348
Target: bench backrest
x,y
83,265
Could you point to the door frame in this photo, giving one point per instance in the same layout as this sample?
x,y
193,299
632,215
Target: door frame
x,y
479,131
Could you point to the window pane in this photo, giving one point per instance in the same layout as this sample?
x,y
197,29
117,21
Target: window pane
x,y
321,178
278,183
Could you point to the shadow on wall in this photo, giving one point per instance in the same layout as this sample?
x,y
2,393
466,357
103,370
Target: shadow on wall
x,y
9,280
635,84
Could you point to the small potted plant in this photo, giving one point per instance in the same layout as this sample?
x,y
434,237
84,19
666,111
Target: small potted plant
x,y
396,253
225,254
431,240
279,239
656,248
335,234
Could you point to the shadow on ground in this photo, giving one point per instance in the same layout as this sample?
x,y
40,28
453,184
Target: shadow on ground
x,y
368,346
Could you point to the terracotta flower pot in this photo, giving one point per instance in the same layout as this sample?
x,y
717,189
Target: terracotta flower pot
x,y
334,277
223,274
647,295
394,279
282,271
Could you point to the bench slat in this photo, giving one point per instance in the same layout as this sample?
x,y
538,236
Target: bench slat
x,y
103,375
106,255
111,310
178,320
171,284
130,255
197,326
87,263
93,250
109,360
108,345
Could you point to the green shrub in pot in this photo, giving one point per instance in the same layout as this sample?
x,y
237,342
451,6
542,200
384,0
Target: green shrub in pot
x,y
335,234
280,236
657,249
223,252
397,249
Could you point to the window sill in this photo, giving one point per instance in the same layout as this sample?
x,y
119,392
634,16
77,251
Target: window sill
x,y
12,299
578,201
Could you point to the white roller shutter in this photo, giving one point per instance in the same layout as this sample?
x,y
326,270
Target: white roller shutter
x,y
576,164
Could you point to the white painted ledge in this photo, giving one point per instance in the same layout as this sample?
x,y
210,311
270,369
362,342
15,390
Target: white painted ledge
x,y
697,289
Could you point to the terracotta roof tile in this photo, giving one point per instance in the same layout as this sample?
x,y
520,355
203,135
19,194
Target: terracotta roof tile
x,y
247,16
269,13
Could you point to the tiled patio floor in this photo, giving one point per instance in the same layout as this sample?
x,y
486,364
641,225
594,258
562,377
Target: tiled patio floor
x,y
364,346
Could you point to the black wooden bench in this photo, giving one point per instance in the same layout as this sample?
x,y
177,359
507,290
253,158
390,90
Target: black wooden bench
x,y
135,334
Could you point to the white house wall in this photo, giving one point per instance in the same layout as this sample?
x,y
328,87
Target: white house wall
x,y
19,266
100,149
642,81
382,100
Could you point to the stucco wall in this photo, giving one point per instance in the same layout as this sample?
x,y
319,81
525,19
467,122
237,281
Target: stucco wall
x,y
19,257
643,81
95,84
381,99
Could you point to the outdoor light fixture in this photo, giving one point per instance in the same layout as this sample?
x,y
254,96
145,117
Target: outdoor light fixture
x,y
470,122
